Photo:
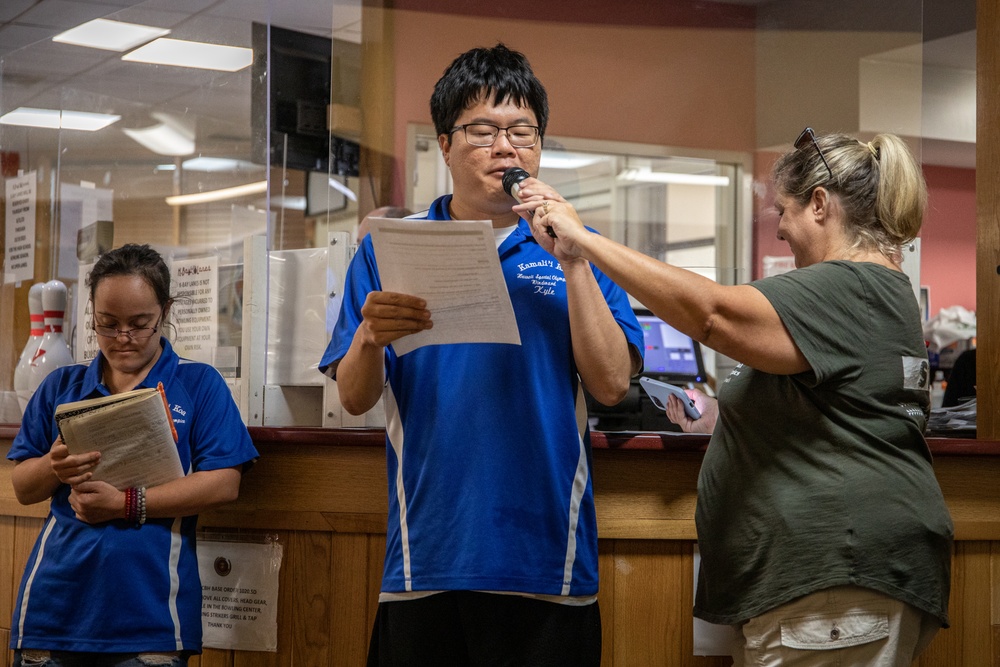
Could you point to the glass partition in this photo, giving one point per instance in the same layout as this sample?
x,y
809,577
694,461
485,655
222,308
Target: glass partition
x,y
252,176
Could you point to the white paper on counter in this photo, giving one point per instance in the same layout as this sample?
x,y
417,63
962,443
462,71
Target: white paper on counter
x,y
454,266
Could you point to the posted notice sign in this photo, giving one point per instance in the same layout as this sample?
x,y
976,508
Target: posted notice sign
x,y
239,594
196,312
19,255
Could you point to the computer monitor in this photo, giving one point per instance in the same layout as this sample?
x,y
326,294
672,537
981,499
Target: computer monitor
x,y
670,355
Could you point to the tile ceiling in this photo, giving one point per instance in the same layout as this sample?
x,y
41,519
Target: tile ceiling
x,y
37,72
24,22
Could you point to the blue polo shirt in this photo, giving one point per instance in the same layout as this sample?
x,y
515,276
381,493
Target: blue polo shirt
x,y
111,587
488,455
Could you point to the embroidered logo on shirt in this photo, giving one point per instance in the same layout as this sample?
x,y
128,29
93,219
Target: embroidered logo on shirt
x,y
542,283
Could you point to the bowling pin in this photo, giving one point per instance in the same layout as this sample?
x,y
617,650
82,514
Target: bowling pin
x,y
23,370
53,351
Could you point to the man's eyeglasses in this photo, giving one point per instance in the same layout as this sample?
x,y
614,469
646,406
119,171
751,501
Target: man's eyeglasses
x,y
135,334
482,134
807,136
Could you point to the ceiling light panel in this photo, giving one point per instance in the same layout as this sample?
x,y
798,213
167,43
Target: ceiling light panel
x,y
200,55
646,175
55,119
110,35
215,164
87,121
28,117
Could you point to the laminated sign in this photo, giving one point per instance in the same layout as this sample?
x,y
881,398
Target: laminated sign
x,y
239,594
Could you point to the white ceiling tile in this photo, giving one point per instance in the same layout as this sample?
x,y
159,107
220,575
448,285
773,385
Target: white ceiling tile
x,y
64,14
153,17
14,37
9,9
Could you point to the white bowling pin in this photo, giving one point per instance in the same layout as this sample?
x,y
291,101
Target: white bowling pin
x,y
23,371
53,351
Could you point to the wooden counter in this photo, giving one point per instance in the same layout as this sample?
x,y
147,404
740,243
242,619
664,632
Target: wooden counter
x,y
323,493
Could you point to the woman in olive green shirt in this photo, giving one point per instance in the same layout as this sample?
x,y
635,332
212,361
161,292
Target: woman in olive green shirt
x,y
823,533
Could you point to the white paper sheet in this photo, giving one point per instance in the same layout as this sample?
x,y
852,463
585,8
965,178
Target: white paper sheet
x,y
455,267
19,254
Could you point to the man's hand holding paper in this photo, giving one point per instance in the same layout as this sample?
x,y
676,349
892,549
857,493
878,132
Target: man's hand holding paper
x,y
454,268
388,316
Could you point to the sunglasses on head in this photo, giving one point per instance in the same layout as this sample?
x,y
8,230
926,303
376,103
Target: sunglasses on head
x,y
808,136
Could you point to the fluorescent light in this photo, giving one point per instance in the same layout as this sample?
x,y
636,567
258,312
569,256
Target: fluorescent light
x,y
172,136
89,122
343,189
181,53
569,160
290,203
217,195
647,175
110,35
55,119
217,164
32,118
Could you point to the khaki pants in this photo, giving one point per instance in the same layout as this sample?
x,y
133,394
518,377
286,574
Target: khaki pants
x,y
845,626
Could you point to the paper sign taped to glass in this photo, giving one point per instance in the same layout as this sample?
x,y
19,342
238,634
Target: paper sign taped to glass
x,y
239,594
454,266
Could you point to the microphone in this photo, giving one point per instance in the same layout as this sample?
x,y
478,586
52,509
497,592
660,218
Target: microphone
x,y
512,177
511,180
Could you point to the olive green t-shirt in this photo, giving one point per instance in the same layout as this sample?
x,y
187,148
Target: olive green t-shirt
x,y
824,478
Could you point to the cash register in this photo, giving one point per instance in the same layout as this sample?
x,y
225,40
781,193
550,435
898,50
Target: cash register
x,y
669,356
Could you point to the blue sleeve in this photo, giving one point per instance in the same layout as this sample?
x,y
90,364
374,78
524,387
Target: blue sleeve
x,y
362,278
38,426
219,438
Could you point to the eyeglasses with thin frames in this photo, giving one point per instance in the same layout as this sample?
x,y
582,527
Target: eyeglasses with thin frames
x,y
134,334
484,134
807,135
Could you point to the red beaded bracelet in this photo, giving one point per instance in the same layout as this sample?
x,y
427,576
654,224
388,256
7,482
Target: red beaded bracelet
x,y
131,506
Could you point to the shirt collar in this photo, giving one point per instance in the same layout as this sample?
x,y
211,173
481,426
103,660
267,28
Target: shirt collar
x,y
162,370
439,211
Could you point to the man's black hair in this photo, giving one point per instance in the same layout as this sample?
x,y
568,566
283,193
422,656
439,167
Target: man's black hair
x,y
482,73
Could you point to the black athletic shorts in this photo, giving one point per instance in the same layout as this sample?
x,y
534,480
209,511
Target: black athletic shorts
x,y
466,629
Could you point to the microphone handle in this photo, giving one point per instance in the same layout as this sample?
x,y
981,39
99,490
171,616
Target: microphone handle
x,y
515,190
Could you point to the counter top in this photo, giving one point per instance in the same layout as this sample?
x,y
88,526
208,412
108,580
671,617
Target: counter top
x,y
652,441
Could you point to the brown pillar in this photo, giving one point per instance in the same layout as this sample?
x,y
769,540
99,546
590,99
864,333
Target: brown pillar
x,y
988,219
377,108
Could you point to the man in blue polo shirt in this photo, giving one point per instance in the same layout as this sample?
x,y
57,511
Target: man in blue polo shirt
x,y
491,552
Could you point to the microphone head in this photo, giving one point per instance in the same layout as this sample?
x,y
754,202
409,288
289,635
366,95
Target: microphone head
x,y
511,177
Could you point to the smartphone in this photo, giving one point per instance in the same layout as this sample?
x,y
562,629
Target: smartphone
x,y
659,391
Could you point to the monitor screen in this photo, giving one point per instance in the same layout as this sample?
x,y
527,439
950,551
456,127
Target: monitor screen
x,y
669,353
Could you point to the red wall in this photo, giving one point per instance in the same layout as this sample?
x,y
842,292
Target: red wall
x,y
948,238
685,85
765,218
